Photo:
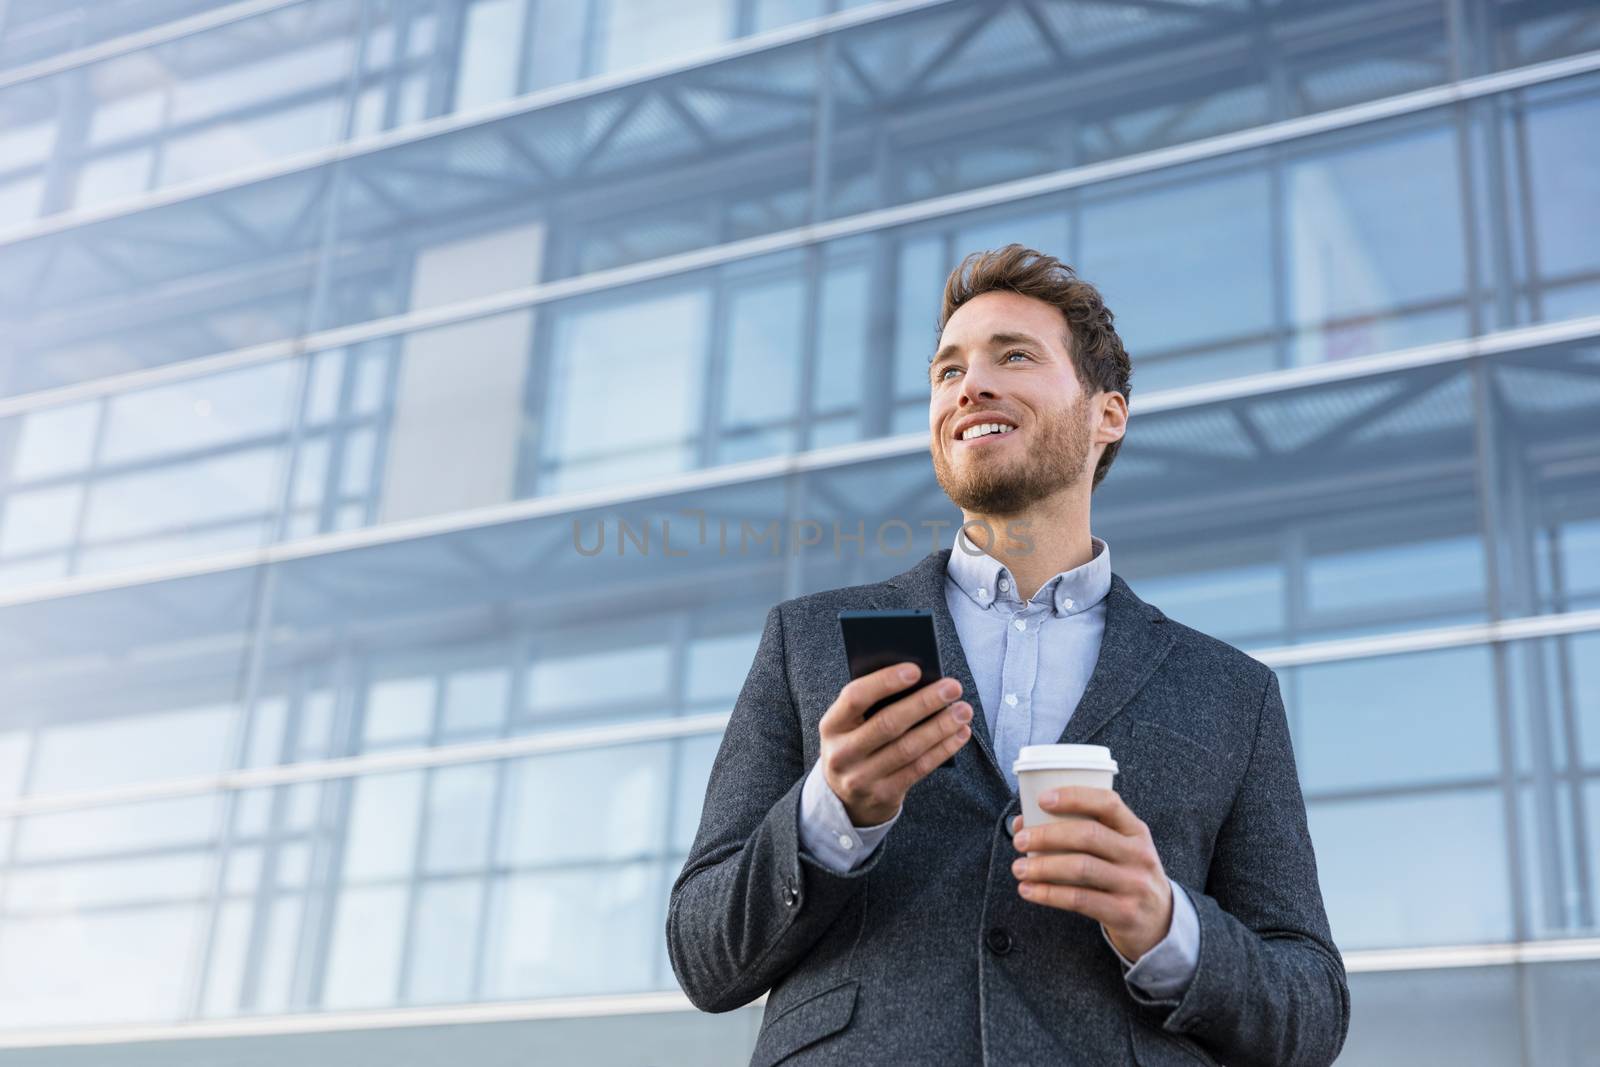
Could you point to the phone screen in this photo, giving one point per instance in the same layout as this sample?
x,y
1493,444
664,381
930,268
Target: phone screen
x,y
874,639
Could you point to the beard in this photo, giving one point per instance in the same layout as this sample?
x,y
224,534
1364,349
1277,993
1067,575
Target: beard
x,y
1005,487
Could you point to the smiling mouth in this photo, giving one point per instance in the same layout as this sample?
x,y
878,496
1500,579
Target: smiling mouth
x,y
987,438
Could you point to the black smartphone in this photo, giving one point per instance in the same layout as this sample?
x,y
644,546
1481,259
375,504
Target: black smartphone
x,y
879,638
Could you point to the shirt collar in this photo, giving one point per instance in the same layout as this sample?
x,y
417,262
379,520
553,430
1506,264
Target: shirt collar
x,y
980,577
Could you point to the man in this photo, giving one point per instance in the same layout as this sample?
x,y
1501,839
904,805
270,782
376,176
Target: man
x,y
884,901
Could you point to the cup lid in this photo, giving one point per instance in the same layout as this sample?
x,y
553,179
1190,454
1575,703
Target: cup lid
x,y
1064,757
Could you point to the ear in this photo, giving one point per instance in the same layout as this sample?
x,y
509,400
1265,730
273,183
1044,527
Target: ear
x,y
1113,407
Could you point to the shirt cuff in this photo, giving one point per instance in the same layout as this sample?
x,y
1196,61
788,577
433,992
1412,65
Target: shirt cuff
x,y
1165,971
826,831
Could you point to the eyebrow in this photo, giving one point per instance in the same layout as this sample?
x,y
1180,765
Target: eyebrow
x,y
994,339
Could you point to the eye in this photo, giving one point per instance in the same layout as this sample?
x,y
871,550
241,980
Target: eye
x,y
940,376
1018,352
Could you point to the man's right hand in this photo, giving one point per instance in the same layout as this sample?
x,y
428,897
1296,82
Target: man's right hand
x,y
871,764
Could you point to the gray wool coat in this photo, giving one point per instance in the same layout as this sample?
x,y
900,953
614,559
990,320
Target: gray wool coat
x,y
926,953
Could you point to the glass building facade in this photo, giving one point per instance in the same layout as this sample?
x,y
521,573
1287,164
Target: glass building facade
x,y
335,334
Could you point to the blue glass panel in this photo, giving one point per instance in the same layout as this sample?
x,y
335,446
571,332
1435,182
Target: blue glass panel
x,y
1394,720
1418,870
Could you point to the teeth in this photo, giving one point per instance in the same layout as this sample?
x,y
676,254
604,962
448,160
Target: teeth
x,y
986,427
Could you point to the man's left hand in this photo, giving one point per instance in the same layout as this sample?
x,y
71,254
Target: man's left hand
x,y
1104,866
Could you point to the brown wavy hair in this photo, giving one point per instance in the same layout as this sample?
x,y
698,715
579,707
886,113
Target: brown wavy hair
x,y
1101,362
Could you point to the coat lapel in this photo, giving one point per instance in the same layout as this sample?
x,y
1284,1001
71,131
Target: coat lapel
x,y
1135,642
923,587
1133,646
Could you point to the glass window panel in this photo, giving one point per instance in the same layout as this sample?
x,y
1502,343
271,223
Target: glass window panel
x,y
765,332
596,678
1435,714
1577,547
592,804
144,880
14,747
491,52
252,812
769,14
1305,490
364,958
372,375
20,201
152,824
33,570
172,744
127,115
97,966
200,413
280,947
381,838
1463,1016
1591,795
1044,229
294,865
267,722
1583,659
1399,574
214,488
239,85
558,44
1382,864
114,176
1376,247
305,804
188,545
229,949
504,257
921,278
424,34
41,519
600,433
843,327
634,32
718,665
446,936
244,870
1563,152
1153,255
400,709
1230,603
696,755
1549,859
568,933
55,441
250,142
460,814
316,725
476,700
360,449
413,100
322,397
25,144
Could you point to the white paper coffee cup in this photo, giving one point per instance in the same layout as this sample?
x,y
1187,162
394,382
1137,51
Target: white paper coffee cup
x,y
1041,768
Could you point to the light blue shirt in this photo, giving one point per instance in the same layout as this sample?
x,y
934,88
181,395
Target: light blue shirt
x,y
1031,663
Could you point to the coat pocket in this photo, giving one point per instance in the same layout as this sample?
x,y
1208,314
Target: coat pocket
x,y
1157,1048
1154,737
1178,787
805,1023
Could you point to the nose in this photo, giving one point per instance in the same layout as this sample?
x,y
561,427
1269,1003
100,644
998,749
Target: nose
x,y
973,387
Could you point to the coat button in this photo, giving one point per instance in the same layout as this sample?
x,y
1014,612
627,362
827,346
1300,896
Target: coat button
x,y
998,940
790,895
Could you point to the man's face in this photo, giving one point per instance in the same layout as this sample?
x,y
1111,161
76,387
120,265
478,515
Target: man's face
x,y
1003,358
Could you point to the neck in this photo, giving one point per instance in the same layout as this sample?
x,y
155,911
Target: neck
x,y
1036,544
